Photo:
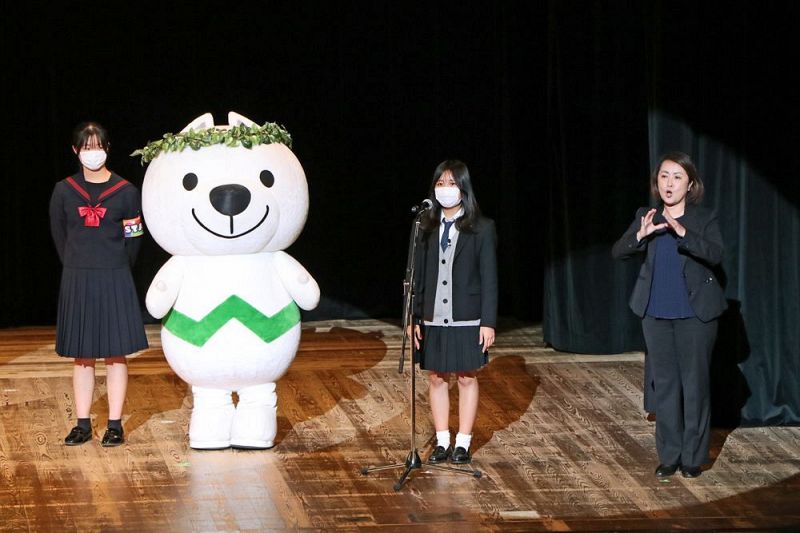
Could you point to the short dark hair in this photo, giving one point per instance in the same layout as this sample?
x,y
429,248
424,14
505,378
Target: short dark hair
x,y
472,211
85,131
695,194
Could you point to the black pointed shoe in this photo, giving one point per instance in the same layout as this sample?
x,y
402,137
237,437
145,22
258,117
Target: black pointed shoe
x,y
440,455
666,470
77,436
460,456
112,437
691,471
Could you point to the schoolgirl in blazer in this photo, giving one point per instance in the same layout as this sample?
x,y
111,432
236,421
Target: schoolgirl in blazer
x,y
455,303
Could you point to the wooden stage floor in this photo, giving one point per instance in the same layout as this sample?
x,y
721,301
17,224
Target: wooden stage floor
x,y
561,440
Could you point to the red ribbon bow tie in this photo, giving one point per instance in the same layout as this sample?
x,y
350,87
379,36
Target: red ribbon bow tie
x,y
92,215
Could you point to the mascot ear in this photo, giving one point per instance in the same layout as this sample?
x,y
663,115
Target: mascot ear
x,y
235,119
201,122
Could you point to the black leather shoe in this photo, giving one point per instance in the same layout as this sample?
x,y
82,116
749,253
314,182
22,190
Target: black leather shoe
x,y
691,471
460,456
666,470
112,437
77,436
440,455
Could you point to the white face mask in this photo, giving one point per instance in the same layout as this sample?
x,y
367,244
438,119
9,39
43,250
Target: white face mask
x,y
93,159
448,196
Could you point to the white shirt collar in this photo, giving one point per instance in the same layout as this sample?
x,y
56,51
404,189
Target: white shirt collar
x,y
459,214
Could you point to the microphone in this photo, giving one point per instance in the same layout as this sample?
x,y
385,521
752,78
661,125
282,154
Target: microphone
x,y
421,207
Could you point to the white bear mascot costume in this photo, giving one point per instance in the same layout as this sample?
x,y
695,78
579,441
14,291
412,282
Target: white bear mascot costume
x,y
225,201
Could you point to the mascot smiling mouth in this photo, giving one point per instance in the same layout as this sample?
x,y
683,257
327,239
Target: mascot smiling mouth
x,y
230,236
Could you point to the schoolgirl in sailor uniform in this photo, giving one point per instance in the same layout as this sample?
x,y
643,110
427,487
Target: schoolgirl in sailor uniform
x,y
95,221
455,302
679,299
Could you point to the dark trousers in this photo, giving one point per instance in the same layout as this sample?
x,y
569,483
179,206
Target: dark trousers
x,y
649,391
679,353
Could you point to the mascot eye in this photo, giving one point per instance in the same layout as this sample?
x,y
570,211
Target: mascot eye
x,y
267,178
190,181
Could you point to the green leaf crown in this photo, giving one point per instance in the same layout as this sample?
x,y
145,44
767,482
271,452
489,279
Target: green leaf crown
x,y
247,136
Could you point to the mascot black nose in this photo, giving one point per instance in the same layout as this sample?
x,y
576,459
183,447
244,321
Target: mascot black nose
x,y
230,199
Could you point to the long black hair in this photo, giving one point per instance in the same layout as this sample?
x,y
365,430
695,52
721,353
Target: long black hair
x,y
472,212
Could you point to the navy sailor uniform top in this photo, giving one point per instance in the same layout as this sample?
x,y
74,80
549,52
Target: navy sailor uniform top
x,y
94,225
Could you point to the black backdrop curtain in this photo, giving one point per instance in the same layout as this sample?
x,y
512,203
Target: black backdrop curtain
x,y
375,95
714,83
597,140
558,107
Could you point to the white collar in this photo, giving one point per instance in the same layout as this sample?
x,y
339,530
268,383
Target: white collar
x,y
459,214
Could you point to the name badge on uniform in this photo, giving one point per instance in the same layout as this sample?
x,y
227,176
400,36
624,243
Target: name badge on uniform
x,y
133,227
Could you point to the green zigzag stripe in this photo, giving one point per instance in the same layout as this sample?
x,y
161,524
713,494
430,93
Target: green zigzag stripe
x,y
268,328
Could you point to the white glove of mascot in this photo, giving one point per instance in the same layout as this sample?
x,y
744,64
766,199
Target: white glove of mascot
x,y
229,294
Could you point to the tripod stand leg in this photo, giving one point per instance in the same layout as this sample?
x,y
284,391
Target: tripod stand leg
x,y
456,470
412,462
368,469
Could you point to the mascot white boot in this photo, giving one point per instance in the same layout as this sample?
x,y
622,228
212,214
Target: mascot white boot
x,y
225,201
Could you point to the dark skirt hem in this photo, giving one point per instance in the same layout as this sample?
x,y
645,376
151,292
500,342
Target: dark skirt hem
x,y
98,314
126,355
451,349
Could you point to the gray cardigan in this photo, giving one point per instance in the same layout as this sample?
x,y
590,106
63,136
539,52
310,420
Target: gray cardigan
x,y
474,275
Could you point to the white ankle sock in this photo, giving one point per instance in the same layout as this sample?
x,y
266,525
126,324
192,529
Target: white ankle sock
x,y
443,438
463,440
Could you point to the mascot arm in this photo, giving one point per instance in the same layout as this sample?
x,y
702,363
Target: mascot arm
x,y
164,290
297,281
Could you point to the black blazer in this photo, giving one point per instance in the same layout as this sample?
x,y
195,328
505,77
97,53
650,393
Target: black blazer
x,y
700,250
474,274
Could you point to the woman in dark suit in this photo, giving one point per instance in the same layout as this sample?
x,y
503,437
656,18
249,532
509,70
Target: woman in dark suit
x,y
679,299
456,301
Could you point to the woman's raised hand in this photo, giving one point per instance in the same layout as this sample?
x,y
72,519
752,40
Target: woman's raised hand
x,y
676,226
647,227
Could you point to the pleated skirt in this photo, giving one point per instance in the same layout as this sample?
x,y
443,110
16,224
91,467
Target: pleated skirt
x,y
452,349
98,314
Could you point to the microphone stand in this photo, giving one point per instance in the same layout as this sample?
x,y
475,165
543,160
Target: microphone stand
x,y
413,461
